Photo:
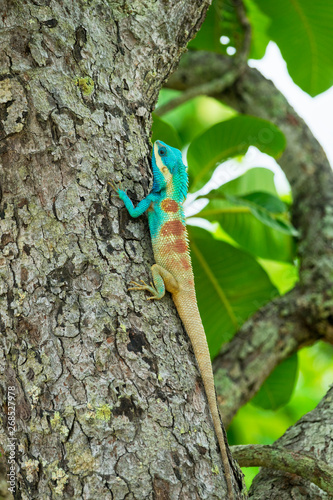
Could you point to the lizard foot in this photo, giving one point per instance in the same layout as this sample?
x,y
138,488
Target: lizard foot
x,y
116,187
144,286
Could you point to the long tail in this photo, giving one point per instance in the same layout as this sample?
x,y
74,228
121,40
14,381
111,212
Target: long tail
x,y
188,311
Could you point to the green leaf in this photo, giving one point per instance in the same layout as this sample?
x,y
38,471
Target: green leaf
x,y
277,389
249,232
275,223
282,274
255,179
221,20
230,286
265,200
228,139
259,27
208,37
248,224
165,132
194,116
260,204
303,31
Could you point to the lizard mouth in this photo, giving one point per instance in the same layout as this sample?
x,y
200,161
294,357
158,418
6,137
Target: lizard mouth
x,y
156,146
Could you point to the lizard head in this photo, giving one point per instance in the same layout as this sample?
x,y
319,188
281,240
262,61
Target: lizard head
x,y
168,168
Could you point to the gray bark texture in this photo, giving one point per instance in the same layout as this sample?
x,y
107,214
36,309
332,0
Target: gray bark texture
x,y
109,403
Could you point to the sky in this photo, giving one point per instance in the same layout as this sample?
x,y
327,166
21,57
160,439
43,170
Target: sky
x,y
316,111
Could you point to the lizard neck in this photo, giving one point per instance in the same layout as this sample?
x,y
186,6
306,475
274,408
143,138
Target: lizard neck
x,y
178,188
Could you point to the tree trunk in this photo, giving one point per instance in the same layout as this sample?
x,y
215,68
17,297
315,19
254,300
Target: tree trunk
x,y
108,402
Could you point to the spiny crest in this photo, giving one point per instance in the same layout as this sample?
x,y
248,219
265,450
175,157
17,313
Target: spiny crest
x,y
169,170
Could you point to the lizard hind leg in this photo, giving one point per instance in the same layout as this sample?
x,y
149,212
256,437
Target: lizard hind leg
x,y
162,280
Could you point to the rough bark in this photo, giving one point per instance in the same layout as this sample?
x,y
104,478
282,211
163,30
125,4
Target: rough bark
x,y
280,458
311,436
108,399
4,493
305,314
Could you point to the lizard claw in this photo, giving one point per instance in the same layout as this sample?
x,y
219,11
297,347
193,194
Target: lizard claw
x,y
137,286
115,187
144,286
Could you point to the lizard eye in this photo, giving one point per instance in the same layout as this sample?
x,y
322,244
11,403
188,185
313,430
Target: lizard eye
x,y
162,152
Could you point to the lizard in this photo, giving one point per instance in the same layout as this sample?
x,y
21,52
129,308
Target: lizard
x,y
173,268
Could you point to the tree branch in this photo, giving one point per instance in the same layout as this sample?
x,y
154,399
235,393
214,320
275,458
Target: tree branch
x,y
209,88
310,436
271,335
279,458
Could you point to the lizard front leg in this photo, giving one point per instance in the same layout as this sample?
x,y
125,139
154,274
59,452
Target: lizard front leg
x,y
140,208
162,280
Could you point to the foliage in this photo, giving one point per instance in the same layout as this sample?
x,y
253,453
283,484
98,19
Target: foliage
x,y
249,215
243,244
221,20
167,131
252,223
301,29
303,32
229,139
277,390
230,284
